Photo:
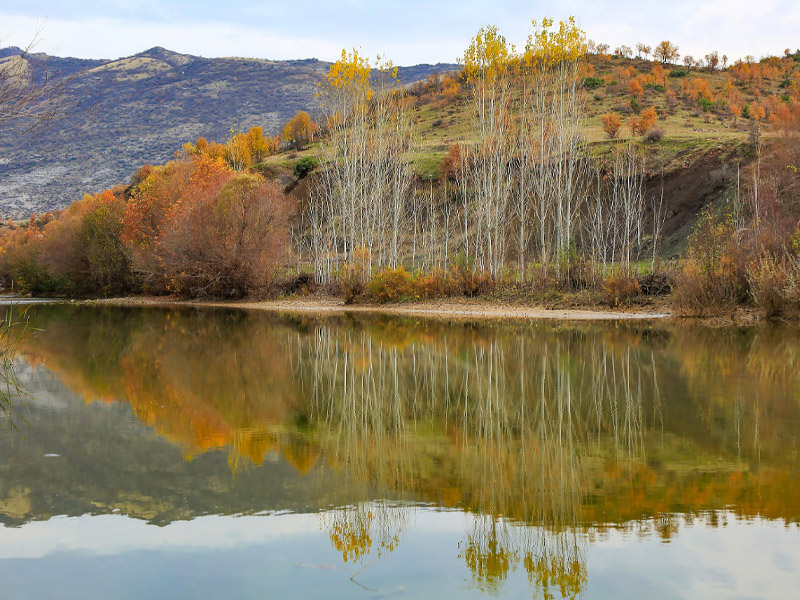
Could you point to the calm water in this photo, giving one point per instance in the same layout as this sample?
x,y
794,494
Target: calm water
x,y
227,454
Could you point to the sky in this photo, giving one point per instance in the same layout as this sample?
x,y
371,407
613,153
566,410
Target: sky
x,y
406,31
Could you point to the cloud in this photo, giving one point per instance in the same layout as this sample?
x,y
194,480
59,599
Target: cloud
x,y
408,31
111,38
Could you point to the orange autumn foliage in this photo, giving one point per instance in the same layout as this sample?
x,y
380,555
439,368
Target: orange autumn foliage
x,y
659,75
299,130
786,118
76,252
699,90
612,123
635,89
644,122
193,226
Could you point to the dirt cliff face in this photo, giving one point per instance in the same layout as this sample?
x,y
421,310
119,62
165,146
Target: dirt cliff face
x,y
690,183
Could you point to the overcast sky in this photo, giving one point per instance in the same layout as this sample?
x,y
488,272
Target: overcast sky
x,y
407,31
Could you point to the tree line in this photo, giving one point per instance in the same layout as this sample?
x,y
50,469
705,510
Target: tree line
x,y
522,193
524,200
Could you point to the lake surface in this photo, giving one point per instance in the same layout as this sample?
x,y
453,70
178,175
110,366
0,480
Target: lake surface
x,y
231,454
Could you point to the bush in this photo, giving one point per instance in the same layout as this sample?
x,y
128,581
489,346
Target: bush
x,y
612,123
391,285
620,289
300,284
394,285
470,281
109,269
654,134
592,83
197,228
793,282
28,276
656,284
79,253
227,242
350,284
746,111
439,283
769,280
713,277
678,73
644,122
304,166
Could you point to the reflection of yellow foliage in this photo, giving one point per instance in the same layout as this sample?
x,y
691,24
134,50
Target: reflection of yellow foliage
x,y
301,455
349,535
569,576
16,503
488,560
355,529
506,421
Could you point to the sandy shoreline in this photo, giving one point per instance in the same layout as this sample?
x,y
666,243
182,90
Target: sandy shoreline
x,y
445,309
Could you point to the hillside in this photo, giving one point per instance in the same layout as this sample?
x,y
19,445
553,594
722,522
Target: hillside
x,y
706,136
508,178
140,109
690,114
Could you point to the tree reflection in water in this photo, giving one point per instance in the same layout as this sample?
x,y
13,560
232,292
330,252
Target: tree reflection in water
x,y
525,418
546,434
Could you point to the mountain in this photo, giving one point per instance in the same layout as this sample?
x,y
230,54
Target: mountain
x,y
10,51
140,109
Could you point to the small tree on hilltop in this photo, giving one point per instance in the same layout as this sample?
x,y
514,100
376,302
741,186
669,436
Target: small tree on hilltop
x,y
666,52
712,60
623,51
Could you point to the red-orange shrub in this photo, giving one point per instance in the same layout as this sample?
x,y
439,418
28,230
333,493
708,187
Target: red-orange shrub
x,y
225,244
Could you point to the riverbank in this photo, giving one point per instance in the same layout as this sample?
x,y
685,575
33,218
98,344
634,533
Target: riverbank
x,y
450,308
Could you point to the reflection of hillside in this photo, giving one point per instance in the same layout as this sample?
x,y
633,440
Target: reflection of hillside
x,y
409,405
203,383
69,458
562,427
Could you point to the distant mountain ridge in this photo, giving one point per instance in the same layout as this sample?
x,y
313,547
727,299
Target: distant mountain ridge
x,y
141,109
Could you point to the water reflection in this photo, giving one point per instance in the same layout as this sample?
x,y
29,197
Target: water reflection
x,y
524,420
550,436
